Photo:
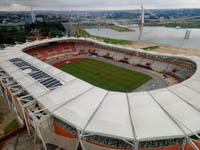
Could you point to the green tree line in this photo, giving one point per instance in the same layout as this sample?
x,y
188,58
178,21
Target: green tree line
x,y
10,35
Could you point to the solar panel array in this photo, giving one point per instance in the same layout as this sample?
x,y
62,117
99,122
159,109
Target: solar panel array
x,y
42,77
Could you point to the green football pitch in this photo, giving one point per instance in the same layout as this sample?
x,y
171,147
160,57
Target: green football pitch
x,y
105,75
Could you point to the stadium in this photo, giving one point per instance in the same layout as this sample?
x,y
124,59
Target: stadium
x,y
69,112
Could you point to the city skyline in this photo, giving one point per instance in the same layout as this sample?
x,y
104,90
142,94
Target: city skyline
x,y
23,5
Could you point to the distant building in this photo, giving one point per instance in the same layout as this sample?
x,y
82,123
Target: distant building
x,y
18,25
146,16
28,20
171,18
39,19
161,19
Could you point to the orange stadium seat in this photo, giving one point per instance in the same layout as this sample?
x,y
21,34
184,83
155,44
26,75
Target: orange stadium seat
x,y
46,51
58,49
73,47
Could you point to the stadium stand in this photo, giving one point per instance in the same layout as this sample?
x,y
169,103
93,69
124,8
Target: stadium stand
x,y
111,54
134,60
55,50
102,53
26,85
159,66
179,68
146,62
118,56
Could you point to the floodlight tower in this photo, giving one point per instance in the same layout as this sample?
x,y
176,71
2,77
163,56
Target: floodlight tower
x,y
187,34
142,15
141,22
32,15
186,37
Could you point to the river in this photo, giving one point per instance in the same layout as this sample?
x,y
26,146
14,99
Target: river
x,y
158,35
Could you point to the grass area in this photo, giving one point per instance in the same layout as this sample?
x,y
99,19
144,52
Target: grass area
x,y
151,48
82,33
113,41
11,126
107,76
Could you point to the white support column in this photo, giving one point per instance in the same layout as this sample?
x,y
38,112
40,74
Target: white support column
x,y
18,92
82,146
23,111
34,125
5,97
3,94
37,130
27,127
78,140
13,85
40,135
192,144
184,143
9,105
13,101
29,102
136,145
35,134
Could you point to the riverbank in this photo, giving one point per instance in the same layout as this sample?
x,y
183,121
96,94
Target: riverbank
x,y
120,29
143,45
157,35
174,25
82,33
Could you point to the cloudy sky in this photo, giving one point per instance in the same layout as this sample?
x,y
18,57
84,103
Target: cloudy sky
x,y
95,4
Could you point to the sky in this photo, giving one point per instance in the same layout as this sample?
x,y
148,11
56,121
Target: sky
x,y
18,5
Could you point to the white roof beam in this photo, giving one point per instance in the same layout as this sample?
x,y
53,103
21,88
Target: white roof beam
x,y
61,104
195,107
176,123
132,122
90,119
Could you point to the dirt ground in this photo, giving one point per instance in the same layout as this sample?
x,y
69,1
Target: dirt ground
x,y
19,142
6,115
22,142
1,117
166,49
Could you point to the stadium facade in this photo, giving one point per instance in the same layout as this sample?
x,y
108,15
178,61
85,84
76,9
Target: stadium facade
x,y
67,112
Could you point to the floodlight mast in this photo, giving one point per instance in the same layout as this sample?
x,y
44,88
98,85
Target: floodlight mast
x,y
141,23
32,15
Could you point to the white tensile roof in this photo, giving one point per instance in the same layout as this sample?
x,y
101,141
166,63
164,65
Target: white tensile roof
x,y
160,114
